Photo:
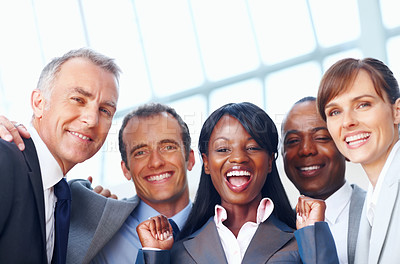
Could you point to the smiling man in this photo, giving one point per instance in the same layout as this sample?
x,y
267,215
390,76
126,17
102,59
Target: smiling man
x,y
317,169
154,143
73,107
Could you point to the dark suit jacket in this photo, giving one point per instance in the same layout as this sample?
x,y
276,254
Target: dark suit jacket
x,y
22,224
273,242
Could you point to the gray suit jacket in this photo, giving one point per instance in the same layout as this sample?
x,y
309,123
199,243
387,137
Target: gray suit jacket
x,y
273,242
356,205
94,221
385,233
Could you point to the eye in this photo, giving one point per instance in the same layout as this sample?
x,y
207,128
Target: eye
x,y
333,112
77,99
292,141
169,147
140,153
222,150
254,148
364,105
323,138
106,111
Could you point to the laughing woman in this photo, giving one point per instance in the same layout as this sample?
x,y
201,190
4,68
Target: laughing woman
x,y
241,213
359,99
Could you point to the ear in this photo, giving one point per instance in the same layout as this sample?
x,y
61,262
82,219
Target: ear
x,y
396,111
191,160
205,163
37,103
126,171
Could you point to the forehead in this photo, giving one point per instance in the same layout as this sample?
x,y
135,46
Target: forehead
x,y
228,126
303,117
81,72
152,129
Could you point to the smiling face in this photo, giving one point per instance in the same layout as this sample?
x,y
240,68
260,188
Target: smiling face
x,y
75,121
363,125
156,160
236,163
311,160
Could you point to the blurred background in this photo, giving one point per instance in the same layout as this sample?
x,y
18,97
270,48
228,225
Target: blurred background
x,y
194,55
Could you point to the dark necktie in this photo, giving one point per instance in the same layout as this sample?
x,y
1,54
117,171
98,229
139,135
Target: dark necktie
x,y
175,228
62,214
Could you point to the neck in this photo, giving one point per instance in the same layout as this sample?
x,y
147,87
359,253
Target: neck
x,y
374,169
238,215
64,167
169,208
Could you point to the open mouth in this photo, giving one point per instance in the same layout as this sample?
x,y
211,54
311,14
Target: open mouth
x,y
357,139
159,177
238,178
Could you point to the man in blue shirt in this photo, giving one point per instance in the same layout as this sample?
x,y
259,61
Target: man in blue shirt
x,y
154,143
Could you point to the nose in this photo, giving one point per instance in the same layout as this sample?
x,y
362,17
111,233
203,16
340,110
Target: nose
x,y
238,156
156,160
307,147
90,117
349,119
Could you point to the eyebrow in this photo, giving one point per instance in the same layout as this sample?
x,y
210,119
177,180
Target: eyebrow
x,y
136,147
90,95
353,100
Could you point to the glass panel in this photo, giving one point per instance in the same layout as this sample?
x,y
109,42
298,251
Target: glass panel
x,y
170,45
112,30
286,87
393,56
20,57
60,27
246,91
390,13
330,60
335,21
226,39
282,32
194,118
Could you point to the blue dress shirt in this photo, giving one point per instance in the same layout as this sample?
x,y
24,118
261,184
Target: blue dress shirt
x,y
124,245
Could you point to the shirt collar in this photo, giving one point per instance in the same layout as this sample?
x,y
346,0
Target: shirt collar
x,y
373,193
264,210
144,211
49,168
336,203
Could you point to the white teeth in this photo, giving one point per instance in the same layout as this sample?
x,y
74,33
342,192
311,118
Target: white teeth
x,y
80,135
315,167
238,173
159,177
356,139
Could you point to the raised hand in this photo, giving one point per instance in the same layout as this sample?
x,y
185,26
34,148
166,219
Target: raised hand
x,y
309,211
156,233
12,131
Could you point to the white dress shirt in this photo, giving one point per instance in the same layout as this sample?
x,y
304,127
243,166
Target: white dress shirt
x,y
337,217
51,174
235,248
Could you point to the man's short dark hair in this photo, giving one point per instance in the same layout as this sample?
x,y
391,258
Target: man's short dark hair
x,y
149,110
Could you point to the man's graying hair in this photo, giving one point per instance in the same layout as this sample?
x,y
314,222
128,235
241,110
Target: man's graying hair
x,y
50,71
150,110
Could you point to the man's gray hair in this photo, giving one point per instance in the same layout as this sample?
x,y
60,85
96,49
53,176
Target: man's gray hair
x,y
50,71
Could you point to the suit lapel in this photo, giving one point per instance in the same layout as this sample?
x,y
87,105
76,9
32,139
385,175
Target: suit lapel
x,y
206,247
259,251
356,206
114,215
384,209
35,178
